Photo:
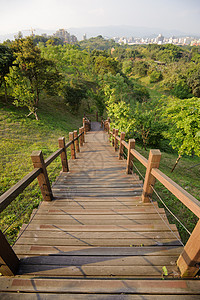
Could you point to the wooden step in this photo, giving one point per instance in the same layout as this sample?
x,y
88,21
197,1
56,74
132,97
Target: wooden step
x,y
94,287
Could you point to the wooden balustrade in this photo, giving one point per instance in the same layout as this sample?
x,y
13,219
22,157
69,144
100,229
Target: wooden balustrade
x,y
189,261
116,139
121,145
131,145
63,155
9,262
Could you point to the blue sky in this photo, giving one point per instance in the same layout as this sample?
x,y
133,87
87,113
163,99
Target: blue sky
x,y
183,15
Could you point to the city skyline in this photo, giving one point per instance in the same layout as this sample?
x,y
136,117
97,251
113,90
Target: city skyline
x,y
182,15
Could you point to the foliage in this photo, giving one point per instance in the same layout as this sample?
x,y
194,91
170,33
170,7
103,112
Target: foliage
x,y
6,61
155,76
181,90
121,116
31,74
193,80
73,94
97,43
103,65
140,68
149,125
184,132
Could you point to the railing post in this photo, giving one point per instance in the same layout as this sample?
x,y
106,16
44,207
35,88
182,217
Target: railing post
x,y
9,261
43,180
71,138
113,137
97,116
116,141
131,145
101,122
153,162
189,260
63,155
84,127
121,146
76,142
81,137
83,134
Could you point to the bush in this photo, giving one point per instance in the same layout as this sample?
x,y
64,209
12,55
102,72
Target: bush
x,y
181,90
155,76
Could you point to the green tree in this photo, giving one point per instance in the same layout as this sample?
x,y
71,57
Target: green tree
x,y
184,130
31,74
155,76
149,125
181,90
6,61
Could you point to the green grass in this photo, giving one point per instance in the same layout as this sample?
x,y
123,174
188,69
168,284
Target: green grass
x,y
19,137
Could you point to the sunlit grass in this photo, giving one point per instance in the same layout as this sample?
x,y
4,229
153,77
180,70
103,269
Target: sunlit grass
x,y
19,137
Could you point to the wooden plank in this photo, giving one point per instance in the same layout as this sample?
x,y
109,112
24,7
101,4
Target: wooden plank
x,y
104,228
61,296
161,287
98,242
29,250
99,235
99,260
97,271
136,210
97,222
118,216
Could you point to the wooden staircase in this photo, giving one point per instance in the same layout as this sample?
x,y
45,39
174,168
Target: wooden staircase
x,y
96,239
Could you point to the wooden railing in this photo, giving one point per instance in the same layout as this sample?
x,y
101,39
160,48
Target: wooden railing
x,y
8,260
189,261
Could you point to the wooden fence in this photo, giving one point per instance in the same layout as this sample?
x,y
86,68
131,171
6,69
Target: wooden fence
x,y
189,261
8,260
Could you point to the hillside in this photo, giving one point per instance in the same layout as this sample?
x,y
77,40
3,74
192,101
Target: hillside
x,y
19,137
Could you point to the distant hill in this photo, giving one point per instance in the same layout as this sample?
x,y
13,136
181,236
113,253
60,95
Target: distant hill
x,y
118,31
107,31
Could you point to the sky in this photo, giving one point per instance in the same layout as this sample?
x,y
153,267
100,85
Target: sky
x,y
16,15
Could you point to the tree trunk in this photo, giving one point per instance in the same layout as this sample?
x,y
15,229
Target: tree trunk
x,y
37,97
179,157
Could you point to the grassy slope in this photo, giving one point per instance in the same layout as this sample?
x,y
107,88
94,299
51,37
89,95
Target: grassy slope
x,y
19,137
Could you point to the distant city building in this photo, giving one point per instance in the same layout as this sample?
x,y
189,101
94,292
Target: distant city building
x,y
65,36
160,39
84,37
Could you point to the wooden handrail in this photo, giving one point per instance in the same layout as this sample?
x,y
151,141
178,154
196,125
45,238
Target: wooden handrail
x,y
188,200
18,188
139,157
52,157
